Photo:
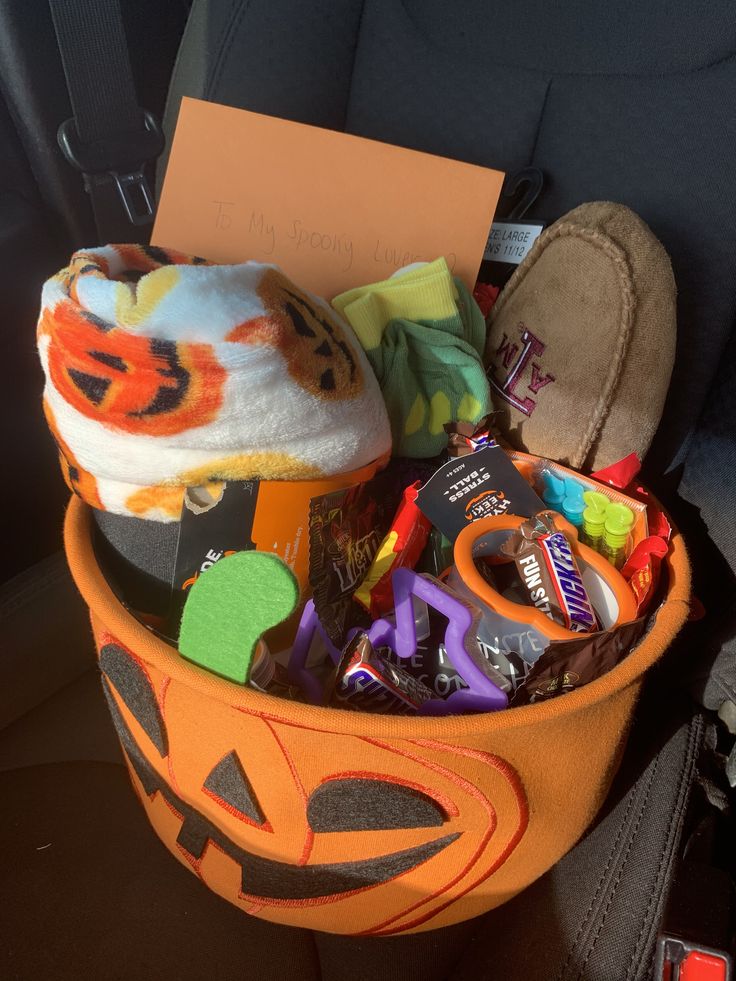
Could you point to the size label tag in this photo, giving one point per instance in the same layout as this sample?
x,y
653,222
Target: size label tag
x,y
510,241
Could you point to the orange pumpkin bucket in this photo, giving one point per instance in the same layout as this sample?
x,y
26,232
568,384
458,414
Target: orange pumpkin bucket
x,y
354,823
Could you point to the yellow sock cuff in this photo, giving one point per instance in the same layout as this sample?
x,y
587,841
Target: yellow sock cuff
x,y
425,293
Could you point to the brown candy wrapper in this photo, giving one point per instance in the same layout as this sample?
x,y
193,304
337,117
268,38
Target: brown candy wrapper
x,y
281,685
464,438
549,573
346,528
366,682
568,664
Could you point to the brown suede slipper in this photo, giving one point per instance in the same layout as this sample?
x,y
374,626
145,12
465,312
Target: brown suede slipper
x,y
581,341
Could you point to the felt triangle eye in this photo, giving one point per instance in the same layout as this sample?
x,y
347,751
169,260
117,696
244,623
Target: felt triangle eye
x,y
368,804
230,787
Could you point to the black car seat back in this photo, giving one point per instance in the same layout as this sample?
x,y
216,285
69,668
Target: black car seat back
x,y
623,101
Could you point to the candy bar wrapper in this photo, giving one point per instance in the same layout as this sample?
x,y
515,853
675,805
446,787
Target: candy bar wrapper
x,y
346,528
568,664
366,682
467,437
281,686
642,569
549,573
620,474
432,665
657,521
485,296
400,549
643,583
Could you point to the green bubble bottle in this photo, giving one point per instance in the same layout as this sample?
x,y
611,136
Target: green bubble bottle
x,y
616,531
594,519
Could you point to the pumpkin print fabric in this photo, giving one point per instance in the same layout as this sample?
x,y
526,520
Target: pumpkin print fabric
x,y
163,370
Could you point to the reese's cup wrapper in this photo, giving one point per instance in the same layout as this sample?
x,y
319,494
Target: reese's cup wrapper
x,y
568,664
642,569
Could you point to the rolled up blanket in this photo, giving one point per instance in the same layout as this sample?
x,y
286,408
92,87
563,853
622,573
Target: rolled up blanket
x,y
164,371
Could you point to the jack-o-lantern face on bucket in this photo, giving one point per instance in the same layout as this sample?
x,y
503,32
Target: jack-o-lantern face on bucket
x,y
309,827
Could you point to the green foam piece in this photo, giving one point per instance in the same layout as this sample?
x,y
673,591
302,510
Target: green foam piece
x,y
231,606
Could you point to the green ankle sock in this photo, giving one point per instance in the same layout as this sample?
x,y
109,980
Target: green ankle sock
x,y
424,336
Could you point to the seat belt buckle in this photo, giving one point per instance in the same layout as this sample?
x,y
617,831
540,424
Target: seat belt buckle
x,y
682,960
135,194
119,159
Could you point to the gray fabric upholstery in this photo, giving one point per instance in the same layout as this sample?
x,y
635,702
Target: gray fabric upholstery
x,y
709,485
294,60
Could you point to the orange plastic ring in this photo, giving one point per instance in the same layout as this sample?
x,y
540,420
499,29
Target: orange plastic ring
x,y
519,612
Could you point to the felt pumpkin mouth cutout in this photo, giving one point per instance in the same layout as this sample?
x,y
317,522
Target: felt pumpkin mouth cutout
x,y
354,836
265,879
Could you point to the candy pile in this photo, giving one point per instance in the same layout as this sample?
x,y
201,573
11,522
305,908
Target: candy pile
x,y
506,604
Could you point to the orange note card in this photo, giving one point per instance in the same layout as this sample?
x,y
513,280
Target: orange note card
x,y
333,210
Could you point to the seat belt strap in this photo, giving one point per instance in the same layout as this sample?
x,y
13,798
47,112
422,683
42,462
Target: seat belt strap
x,y
109,138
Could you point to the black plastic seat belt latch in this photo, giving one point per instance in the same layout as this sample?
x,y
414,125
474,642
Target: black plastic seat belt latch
x,y
120,160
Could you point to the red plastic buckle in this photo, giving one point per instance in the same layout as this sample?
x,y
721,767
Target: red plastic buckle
x,y
698,966
678,960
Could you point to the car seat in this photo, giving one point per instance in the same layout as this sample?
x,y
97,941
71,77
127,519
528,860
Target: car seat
x,y
627,102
